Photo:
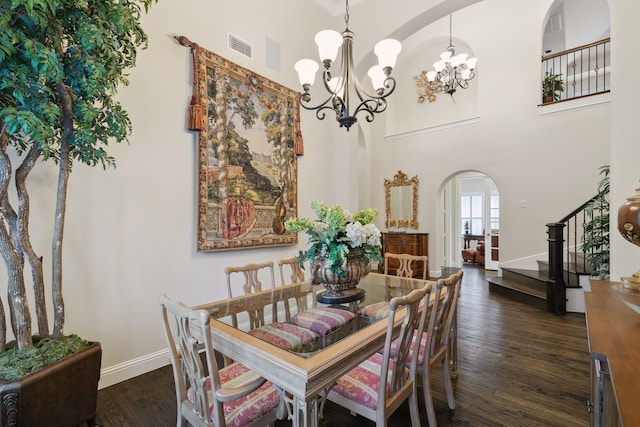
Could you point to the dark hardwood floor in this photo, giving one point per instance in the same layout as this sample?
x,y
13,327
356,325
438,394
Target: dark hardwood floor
x,y
518,366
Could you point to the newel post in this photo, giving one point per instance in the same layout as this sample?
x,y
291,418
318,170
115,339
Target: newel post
x,y
556,289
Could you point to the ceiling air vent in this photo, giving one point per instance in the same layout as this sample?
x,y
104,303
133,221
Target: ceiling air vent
x,y
240,46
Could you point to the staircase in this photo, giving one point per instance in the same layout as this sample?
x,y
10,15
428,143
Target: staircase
x,y
528,286
560,282
532,286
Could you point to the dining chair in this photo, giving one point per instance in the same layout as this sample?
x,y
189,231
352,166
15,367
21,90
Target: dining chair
x,y
406,263
379,310
435,346
378,386
281,334
207,396
328,322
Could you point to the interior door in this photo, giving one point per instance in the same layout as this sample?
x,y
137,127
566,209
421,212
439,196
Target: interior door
x,y
491,225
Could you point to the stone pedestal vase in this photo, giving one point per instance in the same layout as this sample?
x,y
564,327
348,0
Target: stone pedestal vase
x,y
340,288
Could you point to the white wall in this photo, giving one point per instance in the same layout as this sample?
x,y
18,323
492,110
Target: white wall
x,y
549,160
130,234
625,149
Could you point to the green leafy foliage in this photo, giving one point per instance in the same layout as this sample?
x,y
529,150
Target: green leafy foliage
x,y
15,364
335,233
552,85
61,63
595,238
84,45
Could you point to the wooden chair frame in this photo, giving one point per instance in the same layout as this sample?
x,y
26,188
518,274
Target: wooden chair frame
x,y
187,332
405,260
414,307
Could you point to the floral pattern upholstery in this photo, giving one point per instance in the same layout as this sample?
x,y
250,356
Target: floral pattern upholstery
x,y
323,320
286,336
247,409
361,384
375,311
423,345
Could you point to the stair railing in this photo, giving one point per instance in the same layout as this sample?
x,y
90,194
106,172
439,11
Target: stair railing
x,y
565,239
584,69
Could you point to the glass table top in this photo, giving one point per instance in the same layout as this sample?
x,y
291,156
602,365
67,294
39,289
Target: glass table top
x,y
279,304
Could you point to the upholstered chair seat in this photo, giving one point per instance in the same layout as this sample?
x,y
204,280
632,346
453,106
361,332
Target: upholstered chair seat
x,y
286,336
323,320
281,334
328,322
374,312
379,385
247,409
361,385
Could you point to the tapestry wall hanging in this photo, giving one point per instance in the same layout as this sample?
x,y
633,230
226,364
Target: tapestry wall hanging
x,y
247,165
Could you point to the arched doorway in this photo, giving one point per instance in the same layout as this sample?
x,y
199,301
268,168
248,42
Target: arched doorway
x,y
472,198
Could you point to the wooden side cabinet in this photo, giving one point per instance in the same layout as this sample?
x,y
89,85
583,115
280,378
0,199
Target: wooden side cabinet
x,y
602,406
612,329
405,243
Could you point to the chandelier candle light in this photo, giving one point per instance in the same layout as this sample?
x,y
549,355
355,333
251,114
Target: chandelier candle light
x,y
340,85
451,72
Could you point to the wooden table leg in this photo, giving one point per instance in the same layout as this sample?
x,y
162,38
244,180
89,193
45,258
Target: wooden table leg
x,y
305,412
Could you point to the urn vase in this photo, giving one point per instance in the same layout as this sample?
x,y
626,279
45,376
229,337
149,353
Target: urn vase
x,y
341,287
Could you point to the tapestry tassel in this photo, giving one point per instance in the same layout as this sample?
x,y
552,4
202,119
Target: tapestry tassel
x,y
195,114
298,144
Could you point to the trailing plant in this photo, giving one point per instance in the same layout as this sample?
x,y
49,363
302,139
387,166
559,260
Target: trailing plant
x,y
61,62
595,238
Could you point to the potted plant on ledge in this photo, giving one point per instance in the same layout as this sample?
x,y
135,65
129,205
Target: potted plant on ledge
x,y
60,66
552,86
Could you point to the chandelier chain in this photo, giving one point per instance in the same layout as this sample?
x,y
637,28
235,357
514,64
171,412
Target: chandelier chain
x,y
346,14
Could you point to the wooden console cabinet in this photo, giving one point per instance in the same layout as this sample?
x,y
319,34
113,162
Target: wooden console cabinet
x,y
405,243
613,330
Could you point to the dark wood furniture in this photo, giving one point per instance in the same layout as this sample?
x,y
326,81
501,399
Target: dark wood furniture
x,y
405,243
469,237
613,330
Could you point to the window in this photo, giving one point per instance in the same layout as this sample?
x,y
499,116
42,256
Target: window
x,y
495,212
471,211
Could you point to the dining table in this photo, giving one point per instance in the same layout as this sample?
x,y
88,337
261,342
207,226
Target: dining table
x,y
302,376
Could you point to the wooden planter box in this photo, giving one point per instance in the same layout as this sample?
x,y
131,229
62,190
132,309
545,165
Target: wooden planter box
x,y
63,394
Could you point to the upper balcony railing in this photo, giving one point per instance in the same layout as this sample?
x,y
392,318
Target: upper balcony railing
x,y
584,70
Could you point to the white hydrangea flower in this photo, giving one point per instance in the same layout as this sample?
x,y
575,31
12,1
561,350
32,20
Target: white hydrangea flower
x,y
357,234
373,235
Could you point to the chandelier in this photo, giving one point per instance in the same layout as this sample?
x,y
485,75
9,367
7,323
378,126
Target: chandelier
x,y
342,85
450,72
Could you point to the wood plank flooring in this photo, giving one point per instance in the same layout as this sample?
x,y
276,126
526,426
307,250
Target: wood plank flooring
x,y
518,366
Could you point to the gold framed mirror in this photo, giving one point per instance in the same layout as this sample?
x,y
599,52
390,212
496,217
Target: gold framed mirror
x,y
401,201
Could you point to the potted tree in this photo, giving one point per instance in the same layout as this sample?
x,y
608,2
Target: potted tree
x,y
60,65
595,239
552,85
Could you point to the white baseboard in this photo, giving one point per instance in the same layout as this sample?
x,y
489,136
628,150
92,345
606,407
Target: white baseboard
x,y
132,368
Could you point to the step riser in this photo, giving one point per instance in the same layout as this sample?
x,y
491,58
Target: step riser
x,y
519,296
529,281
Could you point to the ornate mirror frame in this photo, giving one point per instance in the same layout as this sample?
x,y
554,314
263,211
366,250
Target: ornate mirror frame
x,y
401,180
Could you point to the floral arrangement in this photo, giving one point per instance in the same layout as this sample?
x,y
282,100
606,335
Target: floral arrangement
x,y
336,233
